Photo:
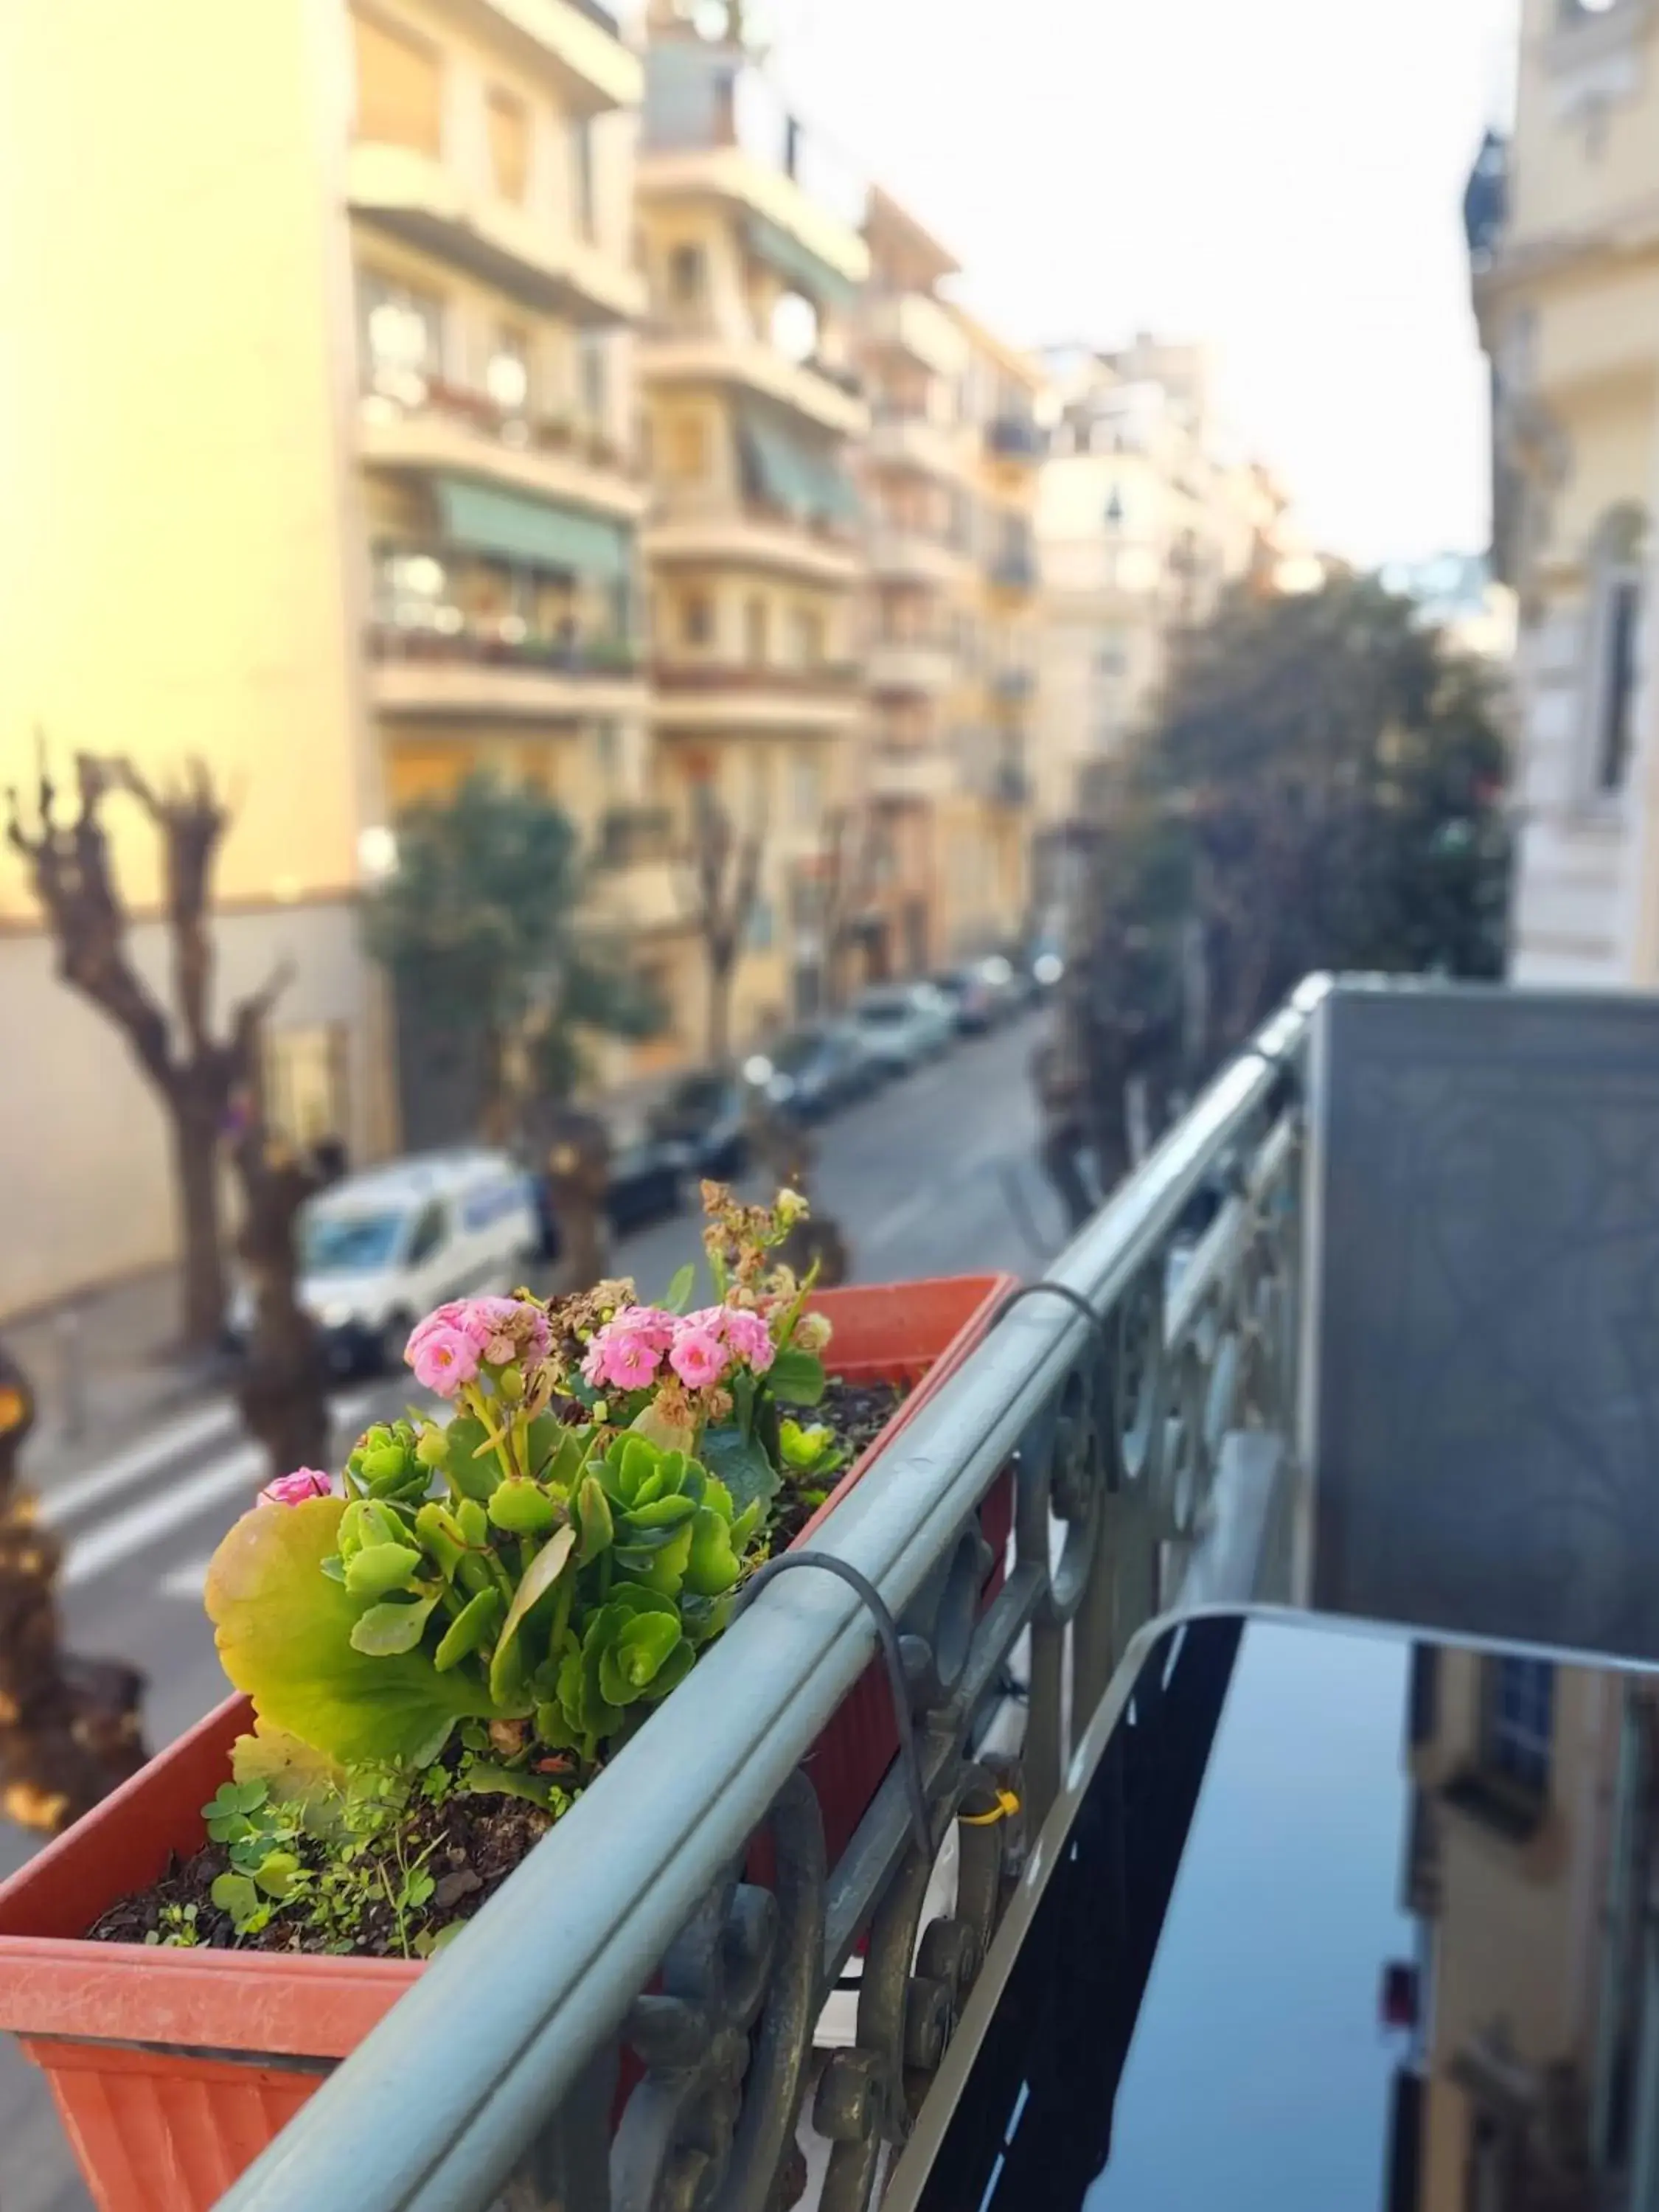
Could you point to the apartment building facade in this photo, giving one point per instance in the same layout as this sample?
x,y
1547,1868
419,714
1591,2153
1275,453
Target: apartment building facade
x,y
357,511
1144,519
950,476
1564,232
750,235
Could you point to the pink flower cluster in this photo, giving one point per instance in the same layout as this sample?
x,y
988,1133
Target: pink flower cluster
x,y
295,1489
701,1348
450,1344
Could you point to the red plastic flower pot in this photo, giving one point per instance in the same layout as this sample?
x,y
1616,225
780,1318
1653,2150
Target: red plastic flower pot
x,y
172,2070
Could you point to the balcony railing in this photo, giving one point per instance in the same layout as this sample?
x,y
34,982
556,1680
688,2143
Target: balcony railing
x,y
822,678
560,656
1012,571
1104,1415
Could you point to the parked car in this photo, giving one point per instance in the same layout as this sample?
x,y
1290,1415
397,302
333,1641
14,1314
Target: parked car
x,y
1005,987
703,1114
377,1250
648,1182
814,1069
970,999
905,1023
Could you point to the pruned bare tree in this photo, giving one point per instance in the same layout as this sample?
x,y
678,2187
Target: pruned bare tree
x,y
194,1071
69,1728
846,877
726,871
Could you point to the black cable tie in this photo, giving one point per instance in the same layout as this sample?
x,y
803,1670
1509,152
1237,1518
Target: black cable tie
x,y
1061,1291
887,1630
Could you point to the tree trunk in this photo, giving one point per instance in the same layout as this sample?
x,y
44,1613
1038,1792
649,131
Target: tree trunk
x,y
283,1389
719,1038
69,1728
579,1178
195,1131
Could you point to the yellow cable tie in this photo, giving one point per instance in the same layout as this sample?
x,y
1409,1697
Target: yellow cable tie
x,y
1007,1803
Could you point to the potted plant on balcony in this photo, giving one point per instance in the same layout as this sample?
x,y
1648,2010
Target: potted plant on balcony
x,y
435,1654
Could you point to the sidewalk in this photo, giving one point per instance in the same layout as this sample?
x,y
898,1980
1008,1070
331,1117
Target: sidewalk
x,y
104,1365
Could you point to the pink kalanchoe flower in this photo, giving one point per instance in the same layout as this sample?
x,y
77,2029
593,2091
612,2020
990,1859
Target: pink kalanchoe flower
x,y
697,1356
449,1315
649,1325
444,1358
749,1339
295,1489
624,1360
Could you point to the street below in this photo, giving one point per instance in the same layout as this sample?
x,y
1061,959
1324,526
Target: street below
x,y
935,1176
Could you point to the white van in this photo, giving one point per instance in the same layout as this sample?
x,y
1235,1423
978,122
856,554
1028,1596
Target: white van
x,y
379,1250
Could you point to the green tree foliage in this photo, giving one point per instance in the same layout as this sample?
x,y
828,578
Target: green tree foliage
x,y
480,927
1322,789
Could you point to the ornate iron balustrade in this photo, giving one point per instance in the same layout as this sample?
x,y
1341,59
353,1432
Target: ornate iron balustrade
x,y
629,2026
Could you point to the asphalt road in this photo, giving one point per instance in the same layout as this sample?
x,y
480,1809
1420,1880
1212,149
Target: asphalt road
x,y
935,1176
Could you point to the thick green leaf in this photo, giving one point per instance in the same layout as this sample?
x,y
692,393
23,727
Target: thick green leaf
x,y
290,1772
712,1566
385,1630
378,1568
677,1298
234,1893
796,1378
283,1630
741,1465
466,1438
543,1572
593,1517
471,1628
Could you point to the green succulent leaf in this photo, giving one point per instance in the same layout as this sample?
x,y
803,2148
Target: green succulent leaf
x,y
472,1627
385,1630
291,1774
593,1519
796,1378
283,1632
522,1508
469,1460
378,1568
684,1282
543,1572
741,1466
277,1874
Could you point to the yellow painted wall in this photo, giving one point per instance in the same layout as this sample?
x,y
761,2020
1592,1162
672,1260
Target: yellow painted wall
x,y
172,571
1578,167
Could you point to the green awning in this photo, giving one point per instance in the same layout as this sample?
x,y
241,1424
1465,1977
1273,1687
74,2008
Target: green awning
x,y
798,265
479,519
784,470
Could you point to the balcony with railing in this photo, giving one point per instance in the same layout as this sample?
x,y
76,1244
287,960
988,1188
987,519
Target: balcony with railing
x,y
707,696
1361,1359
502,669
695,346
925,663
1015,437
431,428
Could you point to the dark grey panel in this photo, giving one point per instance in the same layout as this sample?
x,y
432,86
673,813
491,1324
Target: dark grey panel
x,y
1485,1444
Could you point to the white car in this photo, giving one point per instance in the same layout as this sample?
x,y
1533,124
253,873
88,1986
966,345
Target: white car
x,y
379,1250
902,1024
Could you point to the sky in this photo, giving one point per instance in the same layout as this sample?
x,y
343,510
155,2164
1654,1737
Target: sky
x,y
1282,180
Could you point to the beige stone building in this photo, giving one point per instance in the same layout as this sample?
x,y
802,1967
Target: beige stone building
x,y
753,256
949,481
316,426
1144,519
1563,228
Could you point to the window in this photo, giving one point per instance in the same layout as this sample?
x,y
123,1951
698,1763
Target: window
x,y
1618,562
1519,1722
687,448
402,337
805,789
430,1230
304,1082
696,619
509,122
592,367
400,87
587,199
806,637
507,374
411,592
1110,657
607,752
793,326
685,275
757,632
762,925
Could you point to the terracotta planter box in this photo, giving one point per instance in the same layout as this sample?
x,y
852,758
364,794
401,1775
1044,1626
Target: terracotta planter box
x,y
172,2070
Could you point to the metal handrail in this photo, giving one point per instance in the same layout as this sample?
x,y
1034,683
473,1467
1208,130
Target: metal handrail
x,y
425,2119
